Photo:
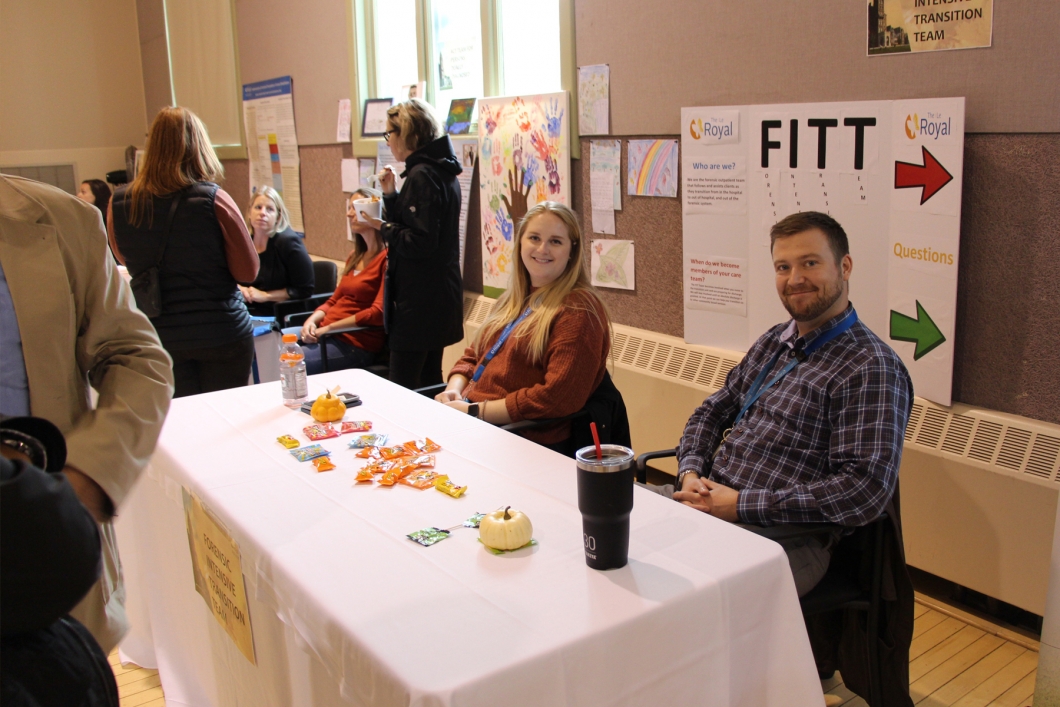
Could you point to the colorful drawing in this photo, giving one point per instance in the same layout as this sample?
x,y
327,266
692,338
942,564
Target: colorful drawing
x,y
652,168
461,111
524,153
593,94
611,264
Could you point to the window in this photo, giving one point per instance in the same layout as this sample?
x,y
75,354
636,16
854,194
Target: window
x,y
457,51
530,48
396,59
460,49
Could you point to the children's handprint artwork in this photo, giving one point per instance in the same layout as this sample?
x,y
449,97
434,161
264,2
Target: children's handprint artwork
x,y
526,142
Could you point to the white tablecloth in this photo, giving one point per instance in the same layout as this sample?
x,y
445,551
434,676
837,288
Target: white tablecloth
x,y
346,610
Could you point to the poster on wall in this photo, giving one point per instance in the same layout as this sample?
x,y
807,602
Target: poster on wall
x,y
272,144
902,26
466,150
524,150
888,171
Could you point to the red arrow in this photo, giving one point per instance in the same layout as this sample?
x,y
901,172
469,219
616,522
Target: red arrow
x,y
931,175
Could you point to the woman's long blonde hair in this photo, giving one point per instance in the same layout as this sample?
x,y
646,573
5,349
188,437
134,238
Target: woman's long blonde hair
x,y
283,217
178,155
547,301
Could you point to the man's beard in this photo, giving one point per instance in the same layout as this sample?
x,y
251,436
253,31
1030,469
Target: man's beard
x,y
808,311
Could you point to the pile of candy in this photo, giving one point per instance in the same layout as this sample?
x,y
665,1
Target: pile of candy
x,y
409,464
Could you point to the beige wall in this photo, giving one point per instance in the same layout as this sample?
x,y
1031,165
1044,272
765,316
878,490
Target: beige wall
x,y
305,40
72,89
669,54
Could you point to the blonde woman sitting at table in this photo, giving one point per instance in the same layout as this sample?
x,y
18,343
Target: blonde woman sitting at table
x,y
358,301
286,270
543,350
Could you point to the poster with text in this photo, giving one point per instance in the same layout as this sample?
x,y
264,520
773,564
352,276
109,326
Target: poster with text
x,y
902,26
466,150
524,153
272,144
888,171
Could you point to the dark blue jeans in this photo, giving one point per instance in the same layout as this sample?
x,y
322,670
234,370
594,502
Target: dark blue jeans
x,y
341,355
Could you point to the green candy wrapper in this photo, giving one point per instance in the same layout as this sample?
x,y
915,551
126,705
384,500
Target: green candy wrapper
x,y
428,536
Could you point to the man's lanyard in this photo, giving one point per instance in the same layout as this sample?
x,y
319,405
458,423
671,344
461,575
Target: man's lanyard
x,y
497,346
757,389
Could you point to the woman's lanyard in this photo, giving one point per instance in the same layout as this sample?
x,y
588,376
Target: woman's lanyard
x,y
757,389
497,346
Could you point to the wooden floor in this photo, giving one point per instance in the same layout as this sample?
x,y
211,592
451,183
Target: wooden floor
x,y
960,660
956,659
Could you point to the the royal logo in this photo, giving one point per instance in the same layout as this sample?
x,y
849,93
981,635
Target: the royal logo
x,y
933,126
711,130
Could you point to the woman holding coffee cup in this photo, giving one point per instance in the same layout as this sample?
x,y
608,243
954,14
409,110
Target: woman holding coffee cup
x,y
357,301
543,350
424,289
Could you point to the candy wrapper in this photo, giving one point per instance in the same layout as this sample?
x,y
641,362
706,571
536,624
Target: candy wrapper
x,y
323,464
369,453
311,452
422,479
369,440
425,461
355,426
443,484
323,430
428,536
474,521
365,475
288,441
393,452
390,477
422,446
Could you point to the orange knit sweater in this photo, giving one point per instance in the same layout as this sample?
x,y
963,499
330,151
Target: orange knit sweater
x,y
560,384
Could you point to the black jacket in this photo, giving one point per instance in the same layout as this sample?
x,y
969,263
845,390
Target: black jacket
x,y
423,294
285,264
201,305
49,559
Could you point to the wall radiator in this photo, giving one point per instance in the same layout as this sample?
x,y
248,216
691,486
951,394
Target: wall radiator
x,y
978,488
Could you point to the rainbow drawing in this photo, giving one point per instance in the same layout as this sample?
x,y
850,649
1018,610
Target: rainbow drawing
x,y
652,168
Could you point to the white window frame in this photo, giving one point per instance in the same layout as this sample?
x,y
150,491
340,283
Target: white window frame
x,y
360,24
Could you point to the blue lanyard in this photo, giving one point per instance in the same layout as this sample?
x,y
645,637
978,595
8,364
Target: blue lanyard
x,y
497,346
757,389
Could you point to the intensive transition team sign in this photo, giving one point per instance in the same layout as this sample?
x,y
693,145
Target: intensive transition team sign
x,y
888,171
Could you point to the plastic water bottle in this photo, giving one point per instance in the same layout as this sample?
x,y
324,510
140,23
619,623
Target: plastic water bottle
x,y
293,381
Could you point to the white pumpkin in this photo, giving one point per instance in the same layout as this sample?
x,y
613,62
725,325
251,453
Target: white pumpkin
x,y
505,530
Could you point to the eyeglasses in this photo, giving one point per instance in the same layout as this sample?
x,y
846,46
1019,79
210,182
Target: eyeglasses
x,y
388,133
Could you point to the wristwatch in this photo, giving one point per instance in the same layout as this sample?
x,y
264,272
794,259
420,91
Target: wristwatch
x,y
681,478
472,409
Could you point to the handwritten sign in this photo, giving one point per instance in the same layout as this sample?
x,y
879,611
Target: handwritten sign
x,y
218,573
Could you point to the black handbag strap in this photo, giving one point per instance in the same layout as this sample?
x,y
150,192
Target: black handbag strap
x,y
169,227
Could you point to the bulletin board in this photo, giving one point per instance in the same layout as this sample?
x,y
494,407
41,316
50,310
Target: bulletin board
x,y
889,171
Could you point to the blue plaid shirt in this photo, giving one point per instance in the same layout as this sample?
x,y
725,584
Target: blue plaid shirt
x,y
824,444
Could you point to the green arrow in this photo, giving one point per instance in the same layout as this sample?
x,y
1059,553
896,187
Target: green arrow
x,y
921,331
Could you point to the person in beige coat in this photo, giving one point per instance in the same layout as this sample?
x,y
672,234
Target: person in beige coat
x,y
68,321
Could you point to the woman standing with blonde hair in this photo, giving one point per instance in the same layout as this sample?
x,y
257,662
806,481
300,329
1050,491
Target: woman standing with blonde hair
x,y
543,350
424,306
175,221
286,270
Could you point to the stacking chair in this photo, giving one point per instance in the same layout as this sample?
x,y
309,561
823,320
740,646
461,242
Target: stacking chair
x,y
326,277
854,580
294,322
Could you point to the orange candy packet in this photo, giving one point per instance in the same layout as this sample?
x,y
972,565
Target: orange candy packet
x,y
422,479
323,464
422,446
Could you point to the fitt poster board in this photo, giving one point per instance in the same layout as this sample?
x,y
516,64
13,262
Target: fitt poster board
x,y
890,172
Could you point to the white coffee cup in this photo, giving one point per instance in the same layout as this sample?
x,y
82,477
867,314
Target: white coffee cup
x,y
372,208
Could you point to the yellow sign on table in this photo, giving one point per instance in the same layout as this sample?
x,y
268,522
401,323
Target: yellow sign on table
x,y
218,573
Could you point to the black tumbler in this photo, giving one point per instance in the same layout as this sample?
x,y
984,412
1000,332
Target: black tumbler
x,y
605,498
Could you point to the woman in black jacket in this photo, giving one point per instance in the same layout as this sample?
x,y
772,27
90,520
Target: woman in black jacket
x,y
424,288
286,270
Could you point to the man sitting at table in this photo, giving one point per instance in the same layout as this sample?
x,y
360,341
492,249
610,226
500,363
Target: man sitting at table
x,y
817,409
809,426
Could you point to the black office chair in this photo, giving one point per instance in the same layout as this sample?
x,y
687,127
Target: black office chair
x,y
326,275
380,366
605,407
854,580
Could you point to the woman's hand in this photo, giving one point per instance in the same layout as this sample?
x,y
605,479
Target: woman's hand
x,y
245,291
387,180
448,395
253,294
310,331
458,404
368,224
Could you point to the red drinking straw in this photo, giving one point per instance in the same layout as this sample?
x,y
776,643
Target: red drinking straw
x,y
596,441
